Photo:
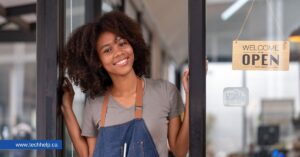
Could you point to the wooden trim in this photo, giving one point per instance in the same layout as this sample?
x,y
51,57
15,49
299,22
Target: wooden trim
x,y
17,36
92,10
21,10
50,35
197,61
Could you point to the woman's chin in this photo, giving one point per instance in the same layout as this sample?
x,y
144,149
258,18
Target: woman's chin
x,y
123,71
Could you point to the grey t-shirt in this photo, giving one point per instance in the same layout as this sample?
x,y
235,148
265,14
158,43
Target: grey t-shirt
x,y
161,102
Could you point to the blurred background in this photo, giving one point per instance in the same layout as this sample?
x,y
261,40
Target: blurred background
x,y
268,126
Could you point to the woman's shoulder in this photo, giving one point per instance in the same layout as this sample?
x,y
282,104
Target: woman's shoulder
x,y
155,82
159,84
94,101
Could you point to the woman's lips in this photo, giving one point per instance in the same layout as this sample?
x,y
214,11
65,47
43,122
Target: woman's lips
x,y
122,62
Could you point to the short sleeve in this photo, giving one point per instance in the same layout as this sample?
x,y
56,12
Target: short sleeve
x,y
175,101
88,128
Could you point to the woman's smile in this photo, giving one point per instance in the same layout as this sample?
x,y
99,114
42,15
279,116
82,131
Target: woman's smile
x,y
122,62
116,54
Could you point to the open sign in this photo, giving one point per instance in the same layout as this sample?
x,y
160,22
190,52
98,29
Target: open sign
x,y
260,55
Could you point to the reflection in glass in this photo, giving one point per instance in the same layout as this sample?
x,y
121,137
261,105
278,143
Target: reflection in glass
x,y
18,94
74,17
268,124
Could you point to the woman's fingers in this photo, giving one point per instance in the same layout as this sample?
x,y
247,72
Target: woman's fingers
x,y
68,95
187,72
67,81
67,86
185,80
186,75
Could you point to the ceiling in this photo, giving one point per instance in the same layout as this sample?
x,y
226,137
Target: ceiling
x,y
172,25
10,3
27,16
170,21
17,20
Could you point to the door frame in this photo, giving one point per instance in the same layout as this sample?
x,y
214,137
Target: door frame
x,y
50,41
197,61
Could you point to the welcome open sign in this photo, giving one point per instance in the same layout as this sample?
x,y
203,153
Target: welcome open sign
x,y
260,55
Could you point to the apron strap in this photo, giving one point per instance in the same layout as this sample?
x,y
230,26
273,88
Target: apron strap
x,y
104,109
139,99
138,102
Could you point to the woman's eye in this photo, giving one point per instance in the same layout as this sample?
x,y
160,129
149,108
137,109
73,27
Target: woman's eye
x,y
122,43
107,50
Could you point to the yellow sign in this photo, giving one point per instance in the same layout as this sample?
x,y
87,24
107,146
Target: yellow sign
x,y
260,55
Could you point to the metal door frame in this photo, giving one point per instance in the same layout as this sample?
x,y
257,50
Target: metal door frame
x,y
197,61
50,41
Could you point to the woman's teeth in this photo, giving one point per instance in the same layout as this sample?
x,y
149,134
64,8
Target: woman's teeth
x,y
122,62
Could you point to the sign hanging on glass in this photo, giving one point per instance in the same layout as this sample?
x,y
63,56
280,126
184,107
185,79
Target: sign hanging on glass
x,y
260,55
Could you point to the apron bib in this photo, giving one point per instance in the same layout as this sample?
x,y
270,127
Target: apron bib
x,y
130,139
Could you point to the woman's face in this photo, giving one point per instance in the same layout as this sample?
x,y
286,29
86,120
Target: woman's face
x,y
115,53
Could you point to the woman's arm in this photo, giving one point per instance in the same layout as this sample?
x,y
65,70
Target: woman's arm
x,y
91,144
74,131
178,136
178,132
80,142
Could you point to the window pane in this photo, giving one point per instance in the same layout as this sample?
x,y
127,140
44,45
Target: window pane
x,y
268,124
18,94
74,18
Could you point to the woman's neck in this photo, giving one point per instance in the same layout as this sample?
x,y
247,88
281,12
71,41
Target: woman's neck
x,y
124,85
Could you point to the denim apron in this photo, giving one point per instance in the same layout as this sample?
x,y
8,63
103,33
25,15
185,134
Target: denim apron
x,y
130,139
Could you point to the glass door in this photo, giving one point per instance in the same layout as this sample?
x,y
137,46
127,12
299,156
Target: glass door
x,y
253,113
74,17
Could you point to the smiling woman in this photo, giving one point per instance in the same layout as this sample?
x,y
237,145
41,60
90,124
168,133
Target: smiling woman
x,y
125,113
83,60
109,45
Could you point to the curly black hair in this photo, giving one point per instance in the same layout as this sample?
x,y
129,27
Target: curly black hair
x,y
80,58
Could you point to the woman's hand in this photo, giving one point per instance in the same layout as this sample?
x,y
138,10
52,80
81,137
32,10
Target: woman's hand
x,y
68,95
178,131
185,78
185,81
80,142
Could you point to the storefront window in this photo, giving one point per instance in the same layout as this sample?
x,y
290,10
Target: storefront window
x,y
74,18
17,94
268,123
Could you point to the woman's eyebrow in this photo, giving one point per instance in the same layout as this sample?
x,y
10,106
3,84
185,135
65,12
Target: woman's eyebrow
x,y
105,45
118,38
115,40
101,47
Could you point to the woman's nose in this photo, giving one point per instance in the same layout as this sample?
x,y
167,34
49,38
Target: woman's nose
x,y
118,50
